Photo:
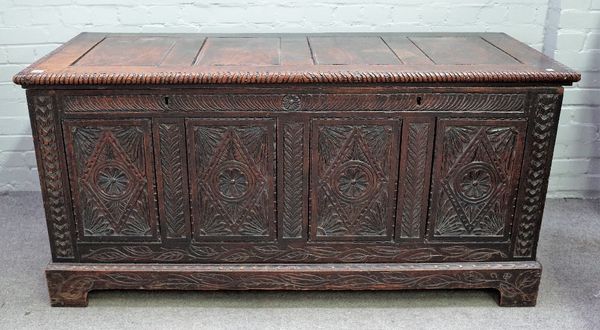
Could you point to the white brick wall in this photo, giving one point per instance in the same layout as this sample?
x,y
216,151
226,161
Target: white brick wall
x,y
576,166
29,29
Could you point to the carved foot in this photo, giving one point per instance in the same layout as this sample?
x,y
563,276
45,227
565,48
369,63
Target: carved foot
x,y
80,301
508,300
68,290
521,291
517,302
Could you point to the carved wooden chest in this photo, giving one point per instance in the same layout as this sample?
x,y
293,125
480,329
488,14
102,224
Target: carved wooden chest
x,y
377,162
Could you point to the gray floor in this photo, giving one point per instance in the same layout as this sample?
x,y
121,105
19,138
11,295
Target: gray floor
x,y
569,296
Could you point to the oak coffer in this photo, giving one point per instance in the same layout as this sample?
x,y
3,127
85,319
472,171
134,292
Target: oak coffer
x,y
302,162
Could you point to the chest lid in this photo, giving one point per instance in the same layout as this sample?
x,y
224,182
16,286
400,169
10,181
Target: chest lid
x,y
116,59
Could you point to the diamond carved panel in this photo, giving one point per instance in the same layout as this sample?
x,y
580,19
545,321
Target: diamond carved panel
x,y
110,179
353,179
233,193
475,178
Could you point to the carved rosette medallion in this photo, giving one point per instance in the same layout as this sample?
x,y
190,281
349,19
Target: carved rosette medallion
x,y
113,181
234,181
354,180
476,181
291,103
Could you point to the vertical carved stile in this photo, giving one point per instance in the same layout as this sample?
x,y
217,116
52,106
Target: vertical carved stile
x,y
537,170
293,171
415,181
59,221
171,162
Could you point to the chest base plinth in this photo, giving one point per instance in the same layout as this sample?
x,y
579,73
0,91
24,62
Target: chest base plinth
x,y
517,282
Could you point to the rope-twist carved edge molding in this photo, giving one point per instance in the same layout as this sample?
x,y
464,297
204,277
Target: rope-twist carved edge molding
x,y
26,78
51,173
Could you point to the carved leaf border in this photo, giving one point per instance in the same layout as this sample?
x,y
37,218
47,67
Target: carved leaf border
x,y
274,253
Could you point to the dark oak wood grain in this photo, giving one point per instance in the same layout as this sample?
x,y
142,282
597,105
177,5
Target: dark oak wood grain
x,y
305,162
442,50
239,51
116,51
98,58
351,50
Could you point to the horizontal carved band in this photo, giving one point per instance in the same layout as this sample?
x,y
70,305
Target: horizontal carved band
x,y
476,102
294,267
517,282
27,78
275,253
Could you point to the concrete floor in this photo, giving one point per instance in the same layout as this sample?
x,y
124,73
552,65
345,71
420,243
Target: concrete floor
x,y
569,296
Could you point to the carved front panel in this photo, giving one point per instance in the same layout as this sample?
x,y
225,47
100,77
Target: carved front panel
x,y
353,171
111,178
477,165
232,179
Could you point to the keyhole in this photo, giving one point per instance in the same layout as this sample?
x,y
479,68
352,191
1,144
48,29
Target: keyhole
x,y
166,100
419,99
